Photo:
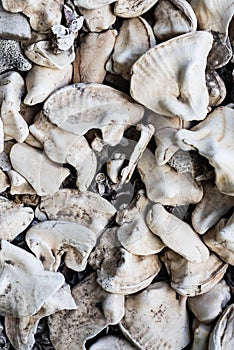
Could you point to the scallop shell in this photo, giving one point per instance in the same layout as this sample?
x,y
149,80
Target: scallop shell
x,y
163,83
132,8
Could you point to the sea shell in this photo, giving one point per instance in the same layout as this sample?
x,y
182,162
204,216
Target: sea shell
x,y
88,106
132,8
156,318
96,309
52,240
4,181
18,184
208,306
98,20
213,138
11,57
92,4
172,18
201,333
43,175
216,87
112,342
161,81
190,279
163,184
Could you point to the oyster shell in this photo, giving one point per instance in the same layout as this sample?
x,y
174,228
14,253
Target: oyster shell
x,y
162,83
132,8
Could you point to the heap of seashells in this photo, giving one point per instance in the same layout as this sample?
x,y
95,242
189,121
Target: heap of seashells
x,y
116,175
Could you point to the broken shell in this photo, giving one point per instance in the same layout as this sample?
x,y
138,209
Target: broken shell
x,y
50,240
85,208
208,306
42,15
221,337
89,106
4,182
14,218
211,208
42,81
118,270
220,239
11,92
92,4
133,233
63,37
25,285
43,175
18,184
176,94
42,54
190,279
173,232
134,39
163,184
212,138
11,56
112,342
71,329
114,165
149,321
172,18
99,19
216,88
201,333
132,8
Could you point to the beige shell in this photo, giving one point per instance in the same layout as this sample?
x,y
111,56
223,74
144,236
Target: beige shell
x,y
88,69
92,4
220,239
52,240
14,218
133,233
11,92
85,208
118,270
211,208
96,309
213,139
114,165
172,18
42,54
42,15
18,184
42,81
156,318
112,342
162,83
221,337
201,333
62,146
163,183
216,87
190,279
208,306
174,232
4,181
88,106
20,331
132,8
25,285
134,39
98,20
43,175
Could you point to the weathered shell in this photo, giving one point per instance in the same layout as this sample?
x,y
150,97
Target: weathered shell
x,y
190,279
4,181
162,83
156,318
19,185
88,106
92,4
112,342
132,8
14,218
216,87
165,185
220,239
43,175
201,333
208,306
85,208
50,240
221,337
172,18
25,285
134,39
98,20
11,57
96,309
213,138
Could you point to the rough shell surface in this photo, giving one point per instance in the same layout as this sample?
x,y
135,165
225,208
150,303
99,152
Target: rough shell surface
x,y
11,56
99,19
216,87
132,8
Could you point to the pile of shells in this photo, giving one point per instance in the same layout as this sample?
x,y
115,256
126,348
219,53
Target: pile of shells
x,y
116,174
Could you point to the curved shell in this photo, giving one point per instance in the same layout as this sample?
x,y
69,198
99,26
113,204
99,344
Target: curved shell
x,y
92,4
161,81
98,20
156,318
112,342
89,106
216,87
132,8
201,333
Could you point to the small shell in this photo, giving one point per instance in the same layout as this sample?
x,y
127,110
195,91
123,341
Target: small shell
x,y
99,19
4,181
112,342
216,88
18,184
132,8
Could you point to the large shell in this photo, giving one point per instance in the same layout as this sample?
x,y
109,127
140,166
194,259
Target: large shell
x,y
88,106
156,318
132,8
163,82
192,279
213,138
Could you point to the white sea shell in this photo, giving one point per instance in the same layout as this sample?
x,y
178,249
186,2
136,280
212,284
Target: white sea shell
x,y
92,4
216,87
201,333
156,318
161,81
18,184
112,342
213,138
98,20
4,181
132,8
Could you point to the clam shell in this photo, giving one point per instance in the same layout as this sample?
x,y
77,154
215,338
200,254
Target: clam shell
x,y
162,83
132,8
156,318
